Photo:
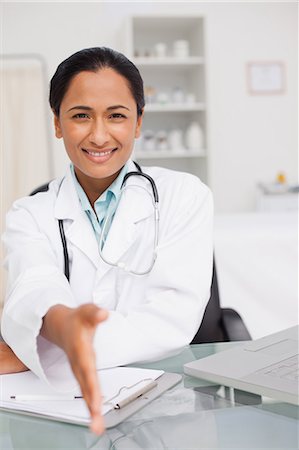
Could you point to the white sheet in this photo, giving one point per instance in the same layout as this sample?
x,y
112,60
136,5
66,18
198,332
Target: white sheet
x,y
257,267
117,384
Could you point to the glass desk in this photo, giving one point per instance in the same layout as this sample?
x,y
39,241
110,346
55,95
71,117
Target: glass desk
x,y
192,415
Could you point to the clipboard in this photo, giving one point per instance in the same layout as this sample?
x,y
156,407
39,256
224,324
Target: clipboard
x,y
113,417
165,382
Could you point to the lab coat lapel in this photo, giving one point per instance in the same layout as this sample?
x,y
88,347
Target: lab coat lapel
x,y
81,234
78,229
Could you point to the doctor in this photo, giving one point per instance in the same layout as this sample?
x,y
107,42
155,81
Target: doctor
x,y
145,281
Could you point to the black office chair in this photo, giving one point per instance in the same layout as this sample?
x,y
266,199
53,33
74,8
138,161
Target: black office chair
x,y
42,188
220,324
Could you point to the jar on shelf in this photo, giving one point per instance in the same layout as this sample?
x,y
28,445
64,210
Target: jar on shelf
x,y
148,141
161,139
160,50
162,97
194,137
175,140
149,94
190,98
178,95
181,49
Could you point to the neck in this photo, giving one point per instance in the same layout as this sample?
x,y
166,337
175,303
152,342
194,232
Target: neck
x,y
94,187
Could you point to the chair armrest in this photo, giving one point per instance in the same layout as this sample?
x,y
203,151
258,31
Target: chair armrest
x,y
234,326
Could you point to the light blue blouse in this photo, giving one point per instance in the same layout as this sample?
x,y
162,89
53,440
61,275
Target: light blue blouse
x,y
105,205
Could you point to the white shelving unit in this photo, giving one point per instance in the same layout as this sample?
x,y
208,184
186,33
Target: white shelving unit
x,y
174,87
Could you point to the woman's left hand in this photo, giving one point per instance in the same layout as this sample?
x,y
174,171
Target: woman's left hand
x,y
9,362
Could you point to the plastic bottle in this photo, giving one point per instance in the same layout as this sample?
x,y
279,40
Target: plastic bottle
x,y
194,137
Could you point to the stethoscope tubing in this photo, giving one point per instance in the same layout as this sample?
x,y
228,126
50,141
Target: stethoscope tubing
x,y
65,252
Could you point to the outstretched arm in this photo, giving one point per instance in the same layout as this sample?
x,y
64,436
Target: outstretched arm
x,y
73,330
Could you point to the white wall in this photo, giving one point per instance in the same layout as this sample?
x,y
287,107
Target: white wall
x,y
251,138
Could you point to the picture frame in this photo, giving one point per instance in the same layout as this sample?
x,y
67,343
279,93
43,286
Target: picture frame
x,y
266,78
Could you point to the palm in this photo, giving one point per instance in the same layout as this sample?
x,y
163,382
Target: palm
x,y
78,346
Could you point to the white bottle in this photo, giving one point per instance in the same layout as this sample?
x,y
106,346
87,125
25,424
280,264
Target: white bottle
x,y
161,50
181,49
175,140
194,137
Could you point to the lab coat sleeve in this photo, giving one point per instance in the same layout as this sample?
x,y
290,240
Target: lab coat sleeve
x,y
178,288
35,283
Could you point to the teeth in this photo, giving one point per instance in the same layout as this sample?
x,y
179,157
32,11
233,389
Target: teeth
x,y
99,153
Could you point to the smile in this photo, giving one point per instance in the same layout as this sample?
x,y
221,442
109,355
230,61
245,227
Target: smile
x,y
99,154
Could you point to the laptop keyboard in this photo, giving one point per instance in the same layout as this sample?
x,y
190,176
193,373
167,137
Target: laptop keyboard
x,y
287,369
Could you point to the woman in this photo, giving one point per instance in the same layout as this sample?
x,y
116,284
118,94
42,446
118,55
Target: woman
x,y
147,306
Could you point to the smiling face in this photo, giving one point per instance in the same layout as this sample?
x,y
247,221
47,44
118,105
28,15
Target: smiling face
x,y
98,123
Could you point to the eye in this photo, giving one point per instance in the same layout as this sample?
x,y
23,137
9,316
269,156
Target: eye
x,y
117,116
81,116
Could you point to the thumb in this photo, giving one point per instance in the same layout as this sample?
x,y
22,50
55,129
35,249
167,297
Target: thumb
x,y
101,315
93,315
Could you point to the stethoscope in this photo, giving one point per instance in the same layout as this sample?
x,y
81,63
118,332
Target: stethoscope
x,y
121,264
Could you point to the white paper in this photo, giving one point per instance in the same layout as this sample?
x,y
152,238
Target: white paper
x,y
119,381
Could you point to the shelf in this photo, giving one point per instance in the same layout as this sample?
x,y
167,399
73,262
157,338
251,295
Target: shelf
x,y
174,107
159,154
169,61
168,78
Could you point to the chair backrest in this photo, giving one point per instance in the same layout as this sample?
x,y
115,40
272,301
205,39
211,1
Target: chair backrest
x,y
42,188
211,329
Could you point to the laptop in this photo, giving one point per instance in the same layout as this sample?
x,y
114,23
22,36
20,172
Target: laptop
x,y
268,366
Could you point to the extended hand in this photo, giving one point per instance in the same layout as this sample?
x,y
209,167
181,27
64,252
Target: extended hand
x,y
9,362
73,330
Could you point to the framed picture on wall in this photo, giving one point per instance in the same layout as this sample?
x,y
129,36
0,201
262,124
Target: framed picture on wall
x,y
266,78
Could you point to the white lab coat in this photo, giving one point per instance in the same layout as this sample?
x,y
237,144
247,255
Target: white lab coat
x,y
151,315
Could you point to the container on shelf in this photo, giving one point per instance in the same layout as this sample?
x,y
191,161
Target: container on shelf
x,y
162,97
194,136
174,77
175,140
161,140
178,95
190,98
148,141
149,94
181,49
160,50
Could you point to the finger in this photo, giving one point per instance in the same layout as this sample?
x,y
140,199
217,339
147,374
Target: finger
x,y
92,395
86,374
93,315
101,315
97,424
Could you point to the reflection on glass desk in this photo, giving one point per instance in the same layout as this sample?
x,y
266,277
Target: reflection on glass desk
x,y
192,415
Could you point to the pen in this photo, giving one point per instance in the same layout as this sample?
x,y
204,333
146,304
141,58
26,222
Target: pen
x,y
44,397
136,394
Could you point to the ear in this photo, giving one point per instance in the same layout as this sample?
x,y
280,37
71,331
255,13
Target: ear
x,y
138,125
58,132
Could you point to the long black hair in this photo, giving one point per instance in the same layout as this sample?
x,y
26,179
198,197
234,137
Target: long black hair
x,y
93,59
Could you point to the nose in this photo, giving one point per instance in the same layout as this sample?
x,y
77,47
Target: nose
x,y
99,135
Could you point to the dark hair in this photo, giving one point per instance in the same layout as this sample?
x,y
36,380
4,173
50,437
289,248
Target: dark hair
x,y
93,59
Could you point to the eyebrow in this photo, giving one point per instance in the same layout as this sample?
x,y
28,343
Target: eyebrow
x,y
88,108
